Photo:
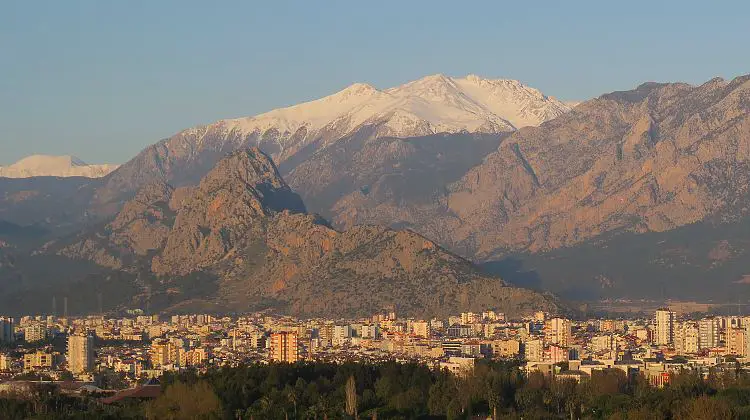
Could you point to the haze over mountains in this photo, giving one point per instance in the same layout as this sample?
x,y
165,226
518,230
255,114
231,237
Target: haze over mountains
x,y
484,168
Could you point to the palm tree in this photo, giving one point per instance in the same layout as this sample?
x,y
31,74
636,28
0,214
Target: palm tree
x,y
291,396
266,403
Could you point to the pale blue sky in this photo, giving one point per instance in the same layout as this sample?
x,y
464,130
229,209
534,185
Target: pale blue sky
x,y
102,79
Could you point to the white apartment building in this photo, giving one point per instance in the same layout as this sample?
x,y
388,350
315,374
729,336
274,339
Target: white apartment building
x,y
708,331
80,353
558,331
664,327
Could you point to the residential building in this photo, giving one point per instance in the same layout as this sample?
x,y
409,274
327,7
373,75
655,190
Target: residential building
x,y
687,338
165,352
35,332
470,317
284,347
421,329
557,354
664,333
38,360
602,343
736,341
341,333
6,363
708,330
80,353
369,331
558,331
506,348
451,347
533,350
194,357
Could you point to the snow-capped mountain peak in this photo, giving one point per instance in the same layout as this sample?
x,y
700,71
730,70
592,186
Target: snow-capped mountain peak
x,y
442,103
60,166
430,105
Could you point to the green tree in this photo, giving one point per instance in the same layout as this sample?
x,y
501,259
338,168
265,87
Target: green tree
x,y
182,401
706,408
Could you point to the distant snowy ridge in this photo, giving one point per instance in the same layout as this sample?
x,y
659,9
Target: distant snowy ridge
x,y
59,166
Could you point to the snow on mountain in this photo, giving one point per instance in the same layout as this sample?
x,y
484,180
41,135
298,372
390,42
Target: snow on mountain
x,y
360,113
434,104
60,166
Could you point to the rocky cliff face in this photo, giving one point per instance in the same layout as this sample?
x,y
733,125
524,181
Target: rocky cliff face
x,y
243,224
651,159
228,209
386,177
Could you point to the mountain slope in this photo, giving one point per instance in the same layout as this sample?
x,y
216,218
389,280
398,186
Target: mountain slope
x,y
434,104
246,228
651,159
57,203
58,166
702,262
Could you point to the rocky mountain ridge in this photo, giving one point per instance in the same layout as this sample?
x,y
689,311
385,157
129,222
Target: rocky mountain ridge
x,y
651,159
244,225
656,158
432,105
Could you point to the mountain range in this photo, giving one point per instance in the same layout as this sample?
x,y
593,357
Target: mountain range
x,y
246,228
490,170
359,114
57,166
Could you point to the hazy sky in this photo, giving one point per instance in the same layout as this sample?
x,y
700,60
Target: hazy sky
x,y
102,79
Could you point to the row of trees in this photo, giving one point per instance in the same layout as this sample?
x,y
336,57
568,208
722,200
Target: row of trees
x,y
408,391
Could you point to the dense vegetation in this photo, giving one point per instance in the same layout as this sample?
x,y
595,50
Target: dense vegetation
x,y
405,391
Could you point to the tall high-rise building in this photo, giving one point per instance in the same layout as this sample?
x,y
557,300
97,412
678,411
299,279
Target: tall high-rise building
x,y
326,334
165,352
687,338
284,347
80,353
708,330
736,341
664,322
7,330
558,331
